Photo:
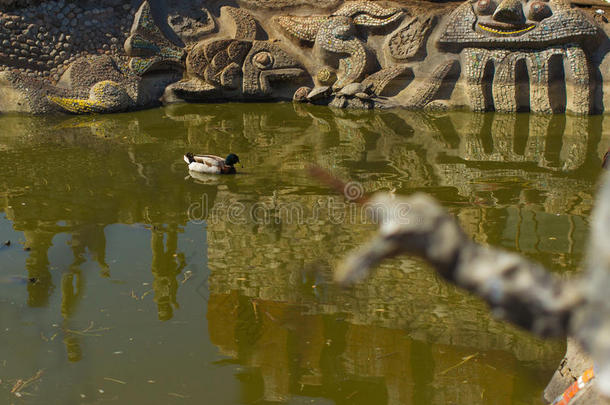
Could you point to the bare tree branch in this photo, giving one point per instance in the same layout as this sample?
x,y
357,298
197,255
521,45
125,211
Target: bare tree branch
x,y
517,289
591,321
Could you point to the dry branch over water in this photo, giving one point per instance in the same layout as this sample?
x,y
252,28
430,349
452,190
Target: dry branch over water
x,y
516,289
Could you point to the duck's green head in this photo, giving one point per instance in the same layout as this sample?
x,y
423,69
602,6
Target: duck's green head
x,y
232,159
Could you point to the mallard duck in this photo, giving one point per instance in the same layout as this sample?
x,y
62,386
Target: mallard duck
x,y
211,164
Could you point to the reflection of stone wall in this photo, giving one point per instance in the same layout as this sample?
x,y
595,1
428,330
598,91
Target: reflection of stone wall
x,y
269,265
294,352
512,186
478,159
276,265
485,55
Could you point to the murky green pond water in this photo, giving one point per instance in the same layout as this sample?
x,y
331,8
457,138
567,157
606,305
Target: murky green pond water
x,y
153,287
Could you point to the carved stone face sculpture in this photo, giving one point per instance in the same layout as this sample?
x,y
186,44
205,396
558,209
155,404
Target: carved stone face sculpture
x,y
515,23
507,42
509,17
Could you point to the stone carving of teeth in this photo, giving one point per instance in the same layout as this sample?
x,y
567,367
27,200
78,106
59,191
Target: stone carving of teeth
x,y
501,42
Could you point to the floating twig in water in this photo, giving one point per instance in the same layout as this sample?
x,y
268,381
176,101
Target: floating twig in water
x,y
351,395
174,394
88,331
382,356
20,385
46,339
187,276
464,360
114,380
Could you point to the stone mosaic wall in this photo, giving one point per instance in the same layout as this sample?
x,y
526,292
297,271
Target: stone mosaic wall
x,y
511,55
43,40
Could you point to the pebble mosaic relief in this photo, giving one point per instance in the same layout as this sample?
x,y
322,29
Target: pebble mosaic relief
x,y
147,45
232,68
116,79
380,80
192,22
42,40
266,62
84,57
105,96
428,91
409,40
245,24
563,25
337,34
504,84
556,32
